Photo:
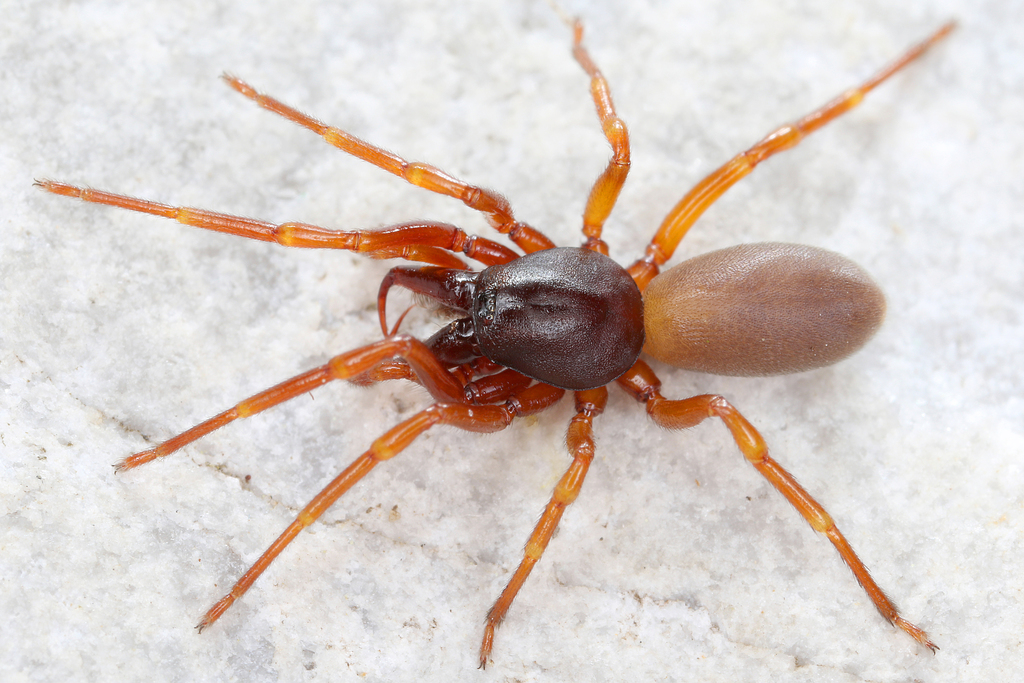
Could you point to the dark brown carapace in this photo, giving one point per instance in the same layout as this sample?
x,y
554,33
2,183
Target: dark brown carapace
x,y
531,326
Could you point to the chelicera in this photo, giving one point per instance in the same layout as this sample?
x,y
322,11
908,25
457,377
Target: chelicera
x,y
532,326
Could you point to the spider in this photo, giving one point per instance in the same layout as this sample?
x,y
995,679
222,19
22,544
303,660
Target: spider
x,y
532,326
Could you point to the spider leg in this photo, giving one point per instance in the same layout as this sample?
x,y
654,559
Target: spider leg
x,y
580,442
425,241
489,418
606,188
707,191
399,369
494,206
433,375
641,383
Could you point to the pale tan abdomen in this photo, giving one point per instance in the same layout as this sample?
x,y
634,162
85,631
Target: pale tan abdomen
x,y
761,309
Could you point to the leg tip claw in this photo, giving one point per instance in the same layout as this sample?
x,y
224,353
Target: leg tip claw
x,y
916,633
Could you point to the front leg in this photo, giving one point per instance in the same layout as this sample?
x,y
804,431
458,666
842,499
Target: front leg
x,y
421,241
430,372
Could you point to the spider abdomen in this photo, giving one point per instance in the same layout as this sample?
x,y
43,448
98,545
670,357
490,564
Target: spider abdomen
x,y
761,309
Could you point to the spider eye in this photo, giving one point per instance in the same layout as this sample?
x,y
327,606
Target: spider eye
x,y
485,308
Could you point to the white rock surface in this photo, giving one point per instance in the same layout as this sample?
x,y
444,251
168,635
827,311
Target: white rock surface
x,y
678,562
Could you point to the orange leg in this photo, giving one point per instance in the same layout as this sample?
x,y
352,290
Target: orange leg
x,y
706,192
470,418
399,369
580,442
434,376
607,187
488,389
495,207
643,385
425,241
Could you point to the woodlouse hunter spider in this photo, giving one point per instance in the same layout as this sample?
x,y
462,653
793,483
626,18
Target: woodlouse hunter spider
x,y
564,318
